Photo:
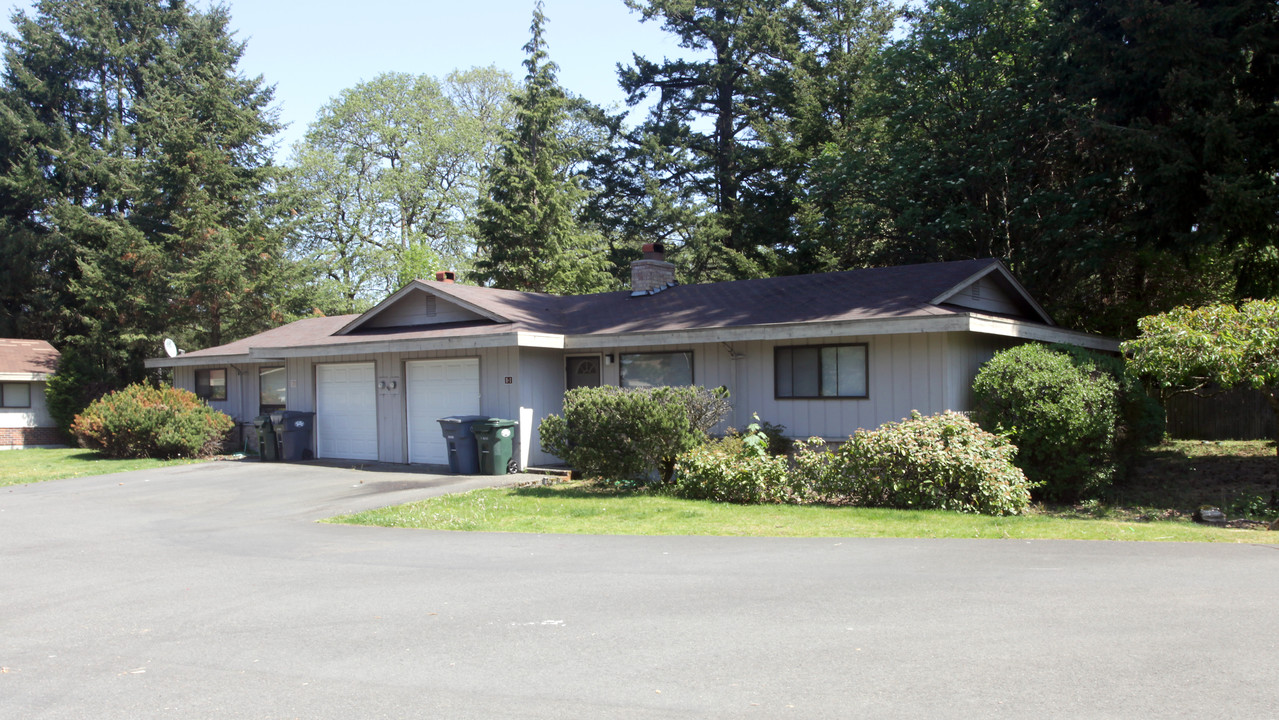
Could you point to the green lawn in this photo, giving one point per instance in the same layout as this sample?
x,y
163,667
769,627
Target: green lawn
x,y
1154,502
36,464
578,508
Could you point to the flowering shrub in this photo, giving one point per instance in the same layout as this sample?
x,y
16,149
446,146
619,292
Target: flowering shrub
x,y
146,421
940,461
736,469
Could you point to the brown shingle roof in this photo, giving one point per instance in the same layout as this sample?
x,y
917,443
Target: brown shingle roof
x,y
893,292
28,356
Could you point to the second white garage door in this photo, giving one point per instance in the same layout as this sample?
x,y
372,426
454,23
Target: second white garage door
x,y
436,389
346,411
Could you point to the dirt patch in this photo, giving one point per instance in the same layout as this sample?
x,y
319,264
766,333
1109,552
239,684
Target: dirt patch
x,y
1177,477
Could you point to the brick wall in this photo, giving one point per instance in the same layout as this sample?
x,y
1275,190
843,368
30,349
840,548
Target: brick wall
x,y
31,436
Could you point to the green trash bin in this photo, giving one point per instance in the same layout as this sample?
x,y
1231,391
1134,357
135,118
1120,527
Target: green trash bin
x,y
495,441
266,438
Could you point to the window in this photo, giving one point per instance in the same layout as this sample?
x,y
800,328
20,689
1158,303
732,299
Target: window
x,y
211,384
644,370
15,395
830,371
271,389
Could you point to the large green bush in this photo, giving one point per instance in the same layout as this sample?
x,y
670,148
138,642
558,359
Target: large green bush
x,y
146,421
736,469
631,435
1142,421
77,383
940,461
1061,411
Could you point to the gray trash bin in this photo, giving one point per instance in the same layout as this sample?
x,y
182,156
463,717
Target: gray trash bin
x,y
464,459
293,434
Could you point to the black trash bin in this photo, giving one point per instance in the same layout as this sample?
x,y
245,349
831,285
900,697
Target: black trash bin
x,y
458,438
495,440
293,434
266,438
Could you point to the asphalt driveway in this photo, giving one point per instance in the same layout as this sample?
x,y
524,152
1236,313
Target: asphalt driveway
x,y
210,591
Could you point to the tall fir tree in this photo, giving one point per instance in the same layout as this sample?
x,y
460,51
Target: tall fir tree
x,y
138,178
530,228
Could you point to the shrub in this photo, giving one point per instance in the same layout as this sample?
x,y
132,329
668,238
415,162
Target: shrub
x,y
943,462
146,421
736,469
631,435
1060,411
1142,421
76,384
775,435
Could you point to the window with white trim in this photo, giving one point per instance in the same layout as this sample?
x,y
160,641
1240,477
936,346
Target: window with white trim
x,y
819,372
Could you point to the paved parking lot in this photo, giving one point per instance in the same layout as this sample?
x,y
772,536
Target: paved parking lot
x,y
211,591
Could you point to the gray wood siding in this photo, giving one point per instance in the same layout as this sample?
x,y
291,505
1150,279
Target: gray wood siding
x,y
421,308
541,391
987,295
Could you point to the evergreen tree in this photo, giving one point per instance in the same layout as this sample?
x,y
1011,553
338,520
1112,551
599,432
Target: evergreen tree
x,y
136,175
530,229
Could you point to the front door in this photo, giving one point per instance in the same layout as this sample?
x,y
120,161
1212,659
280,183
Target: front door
x,y
581,371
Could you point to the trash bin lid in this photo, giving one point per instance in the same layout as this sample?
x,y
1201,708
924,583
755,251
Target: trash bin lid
x,y
463,418
496,423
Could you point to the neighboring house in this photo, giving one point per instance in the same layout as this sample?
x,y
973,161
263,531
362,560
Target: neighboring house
x,y
820,354
25,366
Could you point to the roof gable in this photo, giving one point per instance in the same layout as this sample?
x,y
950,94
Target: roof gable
x,y
993,289
422,303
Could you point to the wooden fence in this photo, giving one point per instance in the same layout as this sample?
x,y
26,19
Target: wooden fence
x,y
1239,414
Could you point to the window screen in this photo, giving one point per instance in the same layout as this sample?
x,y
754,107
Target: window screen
x,y
831,371
15,395
664,369
211,384
271,388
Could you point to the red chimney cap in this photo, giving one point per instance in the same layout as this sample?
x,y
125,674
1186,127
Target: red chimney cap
x,y
447,276
654,247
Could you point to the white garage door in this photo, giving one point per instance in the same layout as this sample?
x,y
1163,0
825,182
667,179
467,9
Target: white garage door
x,y
346,411
436,389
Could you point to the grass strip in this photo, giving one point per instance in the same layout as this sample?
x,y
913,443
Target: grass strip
x,y
37,464
578,508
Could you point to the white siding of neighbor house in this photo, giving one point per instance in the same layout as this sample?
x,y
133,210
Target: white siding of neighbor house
x,y
29,417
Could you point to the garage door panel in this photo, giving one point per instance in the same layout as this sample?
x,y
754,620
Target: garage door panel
x,y
436,389
346,411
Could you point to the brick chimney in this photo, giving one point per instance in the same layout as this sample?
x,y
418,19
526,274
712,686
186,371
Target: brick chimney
x,y
652,274
446,276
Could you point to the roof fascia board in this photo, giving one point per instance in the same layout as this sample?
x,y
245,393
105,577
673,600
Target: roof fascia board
x,y
508,339
426,288
996,266
1030,331
185,361
788,331
540,340
24,377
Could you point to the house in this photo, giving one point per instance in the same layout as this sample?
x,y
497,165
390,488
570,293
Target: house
x,y
820,354
25,366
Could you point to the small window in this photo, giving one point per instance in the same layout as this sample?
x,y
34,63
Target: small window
x,y
211,384
830,371
271,389
15,395
663,369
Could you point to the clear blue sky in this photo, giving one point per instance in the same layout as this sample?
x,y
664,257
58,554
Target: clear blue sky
x,y
314,49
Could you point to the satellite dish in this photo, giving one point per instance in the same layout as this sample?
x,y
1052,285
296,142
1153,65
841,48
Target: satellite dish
x,y
170,347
